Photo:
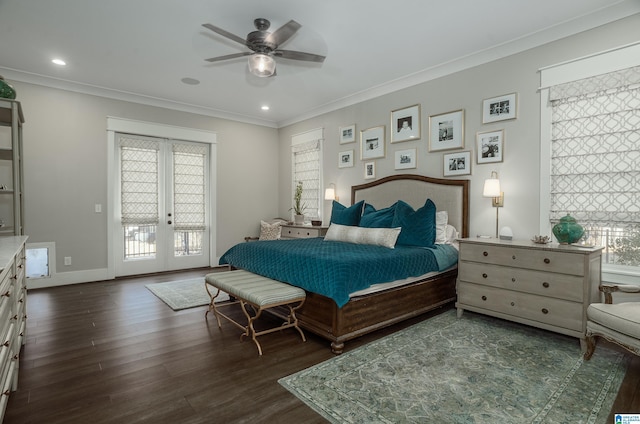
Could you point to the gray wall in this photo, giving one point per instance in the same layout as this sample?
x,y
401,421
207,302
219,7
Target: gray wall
x,y
65,167
66,164
519,173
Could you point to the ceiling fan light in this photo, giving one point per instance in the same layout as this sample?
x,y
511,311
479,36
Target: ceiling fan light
x,y
262,65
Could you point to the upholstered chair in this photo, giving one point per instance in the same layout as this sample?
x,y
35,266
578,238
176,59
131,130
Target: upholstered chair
x,y
618,323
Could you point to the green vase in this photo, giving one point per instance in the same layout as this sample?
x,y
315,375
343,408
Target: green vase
x,y
567,231
6,91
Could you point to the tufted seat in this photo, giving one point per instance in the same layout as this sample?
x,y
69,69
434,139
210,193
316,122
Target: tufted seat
x,y
619,323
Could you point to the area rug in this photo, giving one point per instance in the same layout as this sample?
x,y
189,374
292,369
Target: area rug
x,y
475,369
182,294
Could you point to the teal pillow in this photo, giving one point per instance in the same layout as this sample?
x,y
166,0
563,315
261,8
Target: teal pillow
x,y
383,218
418,227
343,215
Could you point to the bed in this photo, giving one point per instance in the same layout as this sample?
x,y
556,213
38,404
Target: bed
x,y
365,309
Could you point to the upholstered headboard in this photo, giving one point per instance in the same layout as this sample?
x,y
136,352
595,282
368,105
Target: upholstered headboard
x,y
448,195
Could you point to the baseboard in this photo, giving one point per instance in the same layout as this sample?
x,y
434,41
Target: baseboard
x,y
67,278
76,277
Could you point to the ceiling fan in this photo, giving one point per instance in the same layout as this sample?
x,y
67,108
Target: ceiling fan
x,y
264,46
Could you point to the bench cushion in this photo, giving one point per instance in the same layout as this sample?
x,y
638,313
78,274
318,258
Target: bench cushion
x,y
256,289
621,317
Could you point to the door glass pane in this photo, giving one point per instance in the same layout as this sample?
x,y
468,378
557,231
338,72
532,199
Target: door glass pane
x,y
188,243
139,241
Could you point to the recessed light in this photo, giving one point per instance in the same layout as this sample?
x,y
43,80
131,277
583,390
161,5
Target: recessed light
x,y
190,81
59,62
265,107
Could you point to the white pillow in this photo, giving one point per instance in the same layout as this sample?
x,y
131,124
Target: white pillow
x,y
451,234
442,218
362,235
270,231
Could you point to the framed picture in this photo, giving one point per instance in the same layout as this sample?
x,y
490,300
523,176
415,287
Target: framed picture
x,y
490,146
345,159
405,124
500,108
348,134
458,163
372,143
369,170
446,131
405,159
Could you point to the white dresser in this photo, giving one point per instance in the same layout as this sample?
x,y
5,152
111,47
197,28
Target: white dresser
x,y
547,286
13,313
303,231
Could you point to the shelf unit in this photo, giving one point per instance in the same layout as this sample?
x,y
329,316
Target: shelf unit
x,y
11,170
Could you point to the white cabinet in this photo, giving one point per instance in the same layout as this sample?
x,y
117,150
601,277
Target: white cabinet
x,y
13,313
302,231
545,286
11,181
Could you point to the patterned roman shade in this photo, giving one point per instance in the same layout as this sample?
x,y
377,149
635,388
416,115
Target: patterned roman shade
x,y
139,161
595,149
189,172
306,168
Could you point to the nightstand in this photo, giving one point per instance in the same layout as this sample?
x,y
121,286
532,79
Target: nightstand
x,y
546,286
302,231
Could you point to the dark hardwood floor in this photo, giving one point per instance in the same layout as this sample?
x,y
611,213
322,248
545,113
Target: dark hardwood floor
x,y
111,352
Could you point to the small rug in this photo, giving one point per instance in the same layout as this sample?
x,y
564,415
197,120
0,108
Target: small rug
x,y
183,294
475,369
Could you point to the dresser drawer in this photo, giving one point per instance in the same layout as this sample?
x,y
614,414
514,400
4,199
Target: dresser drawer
x,y
562,286
542,260
556,312
302,232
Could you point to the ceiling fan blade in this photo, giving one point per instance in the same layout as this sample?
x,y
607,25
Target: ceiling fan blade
x,y
283,33
229,56
292,54
227,34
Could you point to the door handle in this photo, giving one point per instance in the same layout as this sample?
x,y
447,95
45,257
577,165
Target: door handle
x,y
169,222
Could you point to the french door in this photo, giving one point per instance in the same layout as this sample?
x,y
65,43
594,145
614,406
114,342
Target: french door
x,y
162,205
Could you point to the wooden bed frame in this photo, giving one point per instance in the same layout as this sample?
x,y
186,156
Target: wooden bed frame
x,y
371,312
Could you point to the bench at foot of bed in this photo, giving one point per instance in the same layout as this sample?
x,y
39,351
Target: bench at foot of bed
x,y
260,293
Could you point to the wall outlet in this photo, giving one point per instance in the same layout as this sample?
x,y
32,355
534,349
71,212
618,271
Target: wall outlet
x,y
98,208
67,260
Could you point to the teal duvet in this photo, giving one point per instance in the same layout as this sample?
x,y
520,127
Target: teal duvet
x,y
333,268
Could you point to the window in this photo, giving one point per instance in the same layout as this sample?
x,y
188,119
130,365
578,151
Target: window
x,y
306,150
594,159
40,260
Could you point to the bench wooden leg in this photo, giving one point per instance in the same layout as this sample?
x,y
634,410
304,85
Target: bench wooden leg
x,y
212,305
250,330
292,320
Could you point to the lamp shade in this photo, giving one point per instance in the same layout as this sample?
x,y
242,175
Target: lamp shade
x,y
330,194
261,65
491,188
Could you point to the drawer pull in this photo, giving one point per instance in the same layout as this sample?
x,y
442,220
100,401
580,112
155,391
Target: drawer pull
x,y
547,260
513,303
545,311
7,294
485,253
484,297
513,257
484,275
513,280
6,344
545,285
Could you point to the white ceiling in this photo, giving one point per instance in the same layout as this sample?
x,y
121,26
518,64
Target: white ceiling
x,y
140,50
